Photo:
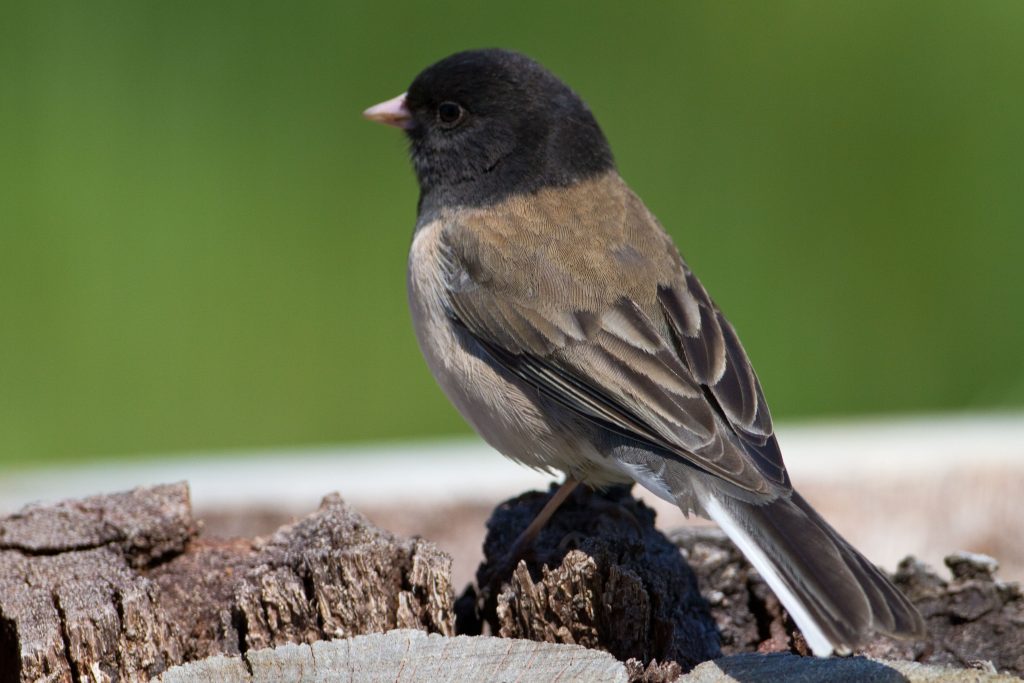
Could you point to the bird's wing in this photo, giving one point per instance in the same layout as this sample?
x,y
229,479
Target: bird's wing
x,y
581,293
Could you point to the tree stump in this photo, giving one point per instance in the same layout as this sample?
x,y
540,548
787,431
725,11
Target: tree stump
x,y
972,618
121,587
598,575
404,656
601,575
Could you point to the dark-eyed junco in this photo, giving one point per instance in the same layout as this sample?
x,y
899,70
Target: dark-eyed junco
x,y
559,318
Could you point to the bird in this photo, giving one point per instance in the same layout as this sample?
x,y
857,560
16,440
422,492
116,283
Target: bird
x,y
560,319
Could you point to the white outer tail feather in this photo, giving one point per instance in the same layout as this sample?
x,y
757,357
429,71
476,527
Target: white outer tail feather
x,y
815,637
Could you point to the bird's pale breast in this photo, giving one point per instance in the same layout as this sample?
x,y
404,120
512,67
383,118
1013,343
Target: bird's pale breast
x,y
508,413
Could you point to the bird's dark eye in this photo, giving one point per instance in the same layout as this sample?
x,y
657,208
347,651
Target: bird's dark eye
x,y
449,113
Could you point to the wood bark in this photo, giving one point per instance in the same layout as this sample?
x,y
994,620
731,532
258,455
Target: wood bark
x,y
972,617
601,575
120,587
598,575
123,587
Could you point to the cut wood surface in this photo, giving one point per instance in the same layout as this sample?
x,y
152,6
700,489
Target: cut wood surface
x,y
415,657
123,588
405,656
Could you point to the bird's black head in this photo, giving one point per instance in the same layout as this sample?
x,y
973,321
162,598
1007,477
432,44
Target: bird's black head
x,y
486,124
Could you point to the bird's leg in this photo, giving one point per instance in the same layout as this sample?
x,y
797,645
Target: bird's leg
x,y
503,566
525,539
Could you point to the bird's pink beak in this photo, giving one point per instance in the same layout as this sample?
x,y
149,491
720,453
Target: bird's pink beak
x,y
391,113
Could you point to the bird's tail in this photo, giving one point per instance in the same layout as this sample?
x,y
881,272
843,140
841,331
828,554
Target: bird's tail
x,y
834,594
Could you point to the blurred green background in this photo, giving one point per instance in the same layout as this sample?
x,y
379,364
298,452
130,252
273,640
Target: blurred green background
x,y
203,246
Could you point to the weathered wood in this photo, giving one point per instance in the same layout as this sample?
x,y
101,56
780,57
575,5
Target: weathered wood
x,y
601,575
748,615
415,657
598,575
760,668
971,617
121,588
74,603
406,656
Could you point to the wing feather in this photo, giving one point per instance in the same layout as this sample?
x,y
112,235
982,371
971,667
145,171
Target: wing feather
x,y
637,347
